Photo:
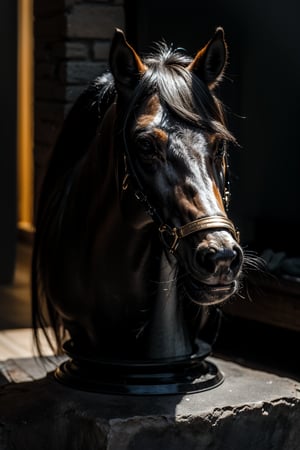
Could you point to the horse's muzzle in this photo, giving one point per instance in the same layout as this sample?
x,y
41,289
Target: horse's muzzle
x,y
214,270
219,265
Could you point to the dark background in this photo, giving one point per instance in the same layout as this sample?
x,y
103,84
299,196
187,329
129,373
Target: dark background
x,y
261,92
8,111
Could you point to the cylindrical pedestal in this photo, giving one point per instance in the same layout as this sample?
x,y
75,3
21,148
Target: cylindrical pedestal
x,y
149,377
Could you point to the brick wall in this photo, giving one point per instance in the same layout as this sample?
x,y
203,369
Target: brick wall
x,y
72,40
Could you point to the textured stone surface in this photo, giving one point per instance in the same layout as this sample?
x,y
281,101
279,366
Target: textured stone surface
x,y
101,50
71,37
251,410
76,50
94,21
79,72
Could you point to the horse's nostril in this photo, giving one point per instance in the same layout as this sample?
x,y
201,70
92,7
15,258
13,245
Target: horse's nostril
x,y
237,260
212,260
208,260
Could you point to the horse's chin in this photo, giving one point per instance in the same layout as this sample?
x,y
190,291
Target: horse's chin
x,y
206,294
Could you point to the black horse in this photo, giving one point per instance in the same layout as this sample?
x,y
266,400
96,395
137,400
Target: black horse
x,y
132,236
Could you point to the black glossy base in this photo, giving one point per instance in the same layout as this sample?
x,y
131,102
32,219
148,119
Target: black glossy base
x,y
150,377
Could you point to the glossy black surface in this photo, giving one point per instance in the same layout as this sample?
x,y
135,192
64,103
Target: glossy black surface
x,y
152,377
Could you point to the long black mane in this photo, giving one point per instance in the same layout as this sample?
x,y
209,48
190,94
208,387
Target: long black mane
x,y
73,143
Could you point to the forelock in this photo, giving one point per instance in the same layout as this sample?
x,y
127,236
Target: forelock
x,y
185,95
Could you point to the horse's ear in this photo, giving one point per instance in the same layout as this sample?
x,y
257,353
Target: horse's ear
x,y
210,61
125,64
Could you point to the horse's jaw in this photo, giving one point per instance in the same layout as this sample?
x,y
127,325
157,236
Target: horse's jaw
x,y
203,294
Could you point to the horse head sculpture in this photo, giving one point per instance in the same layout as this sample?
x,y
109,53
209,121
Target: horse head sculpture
x,y
132,234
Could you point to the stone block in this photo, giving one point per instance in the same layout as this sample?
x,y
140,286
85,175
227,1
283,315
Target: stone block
x,y
70,50
46,9
251,410
101,50
76,50
77,72
94,21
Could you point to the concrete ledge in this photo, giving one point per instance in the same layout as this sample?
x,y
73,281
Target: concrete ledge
x,y
250,410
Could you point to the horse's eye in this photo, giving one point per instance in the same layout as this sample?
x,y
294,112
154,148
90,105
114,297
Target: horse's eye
x,y
145,147
220,151
149,152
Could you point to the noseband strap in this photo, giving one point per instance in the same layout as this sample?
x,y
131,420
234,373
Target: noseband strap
x,y
172,235
206,223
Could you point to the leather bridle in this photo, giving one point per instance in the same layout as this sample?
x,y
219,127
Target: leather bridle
x,y
205,223
171,236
